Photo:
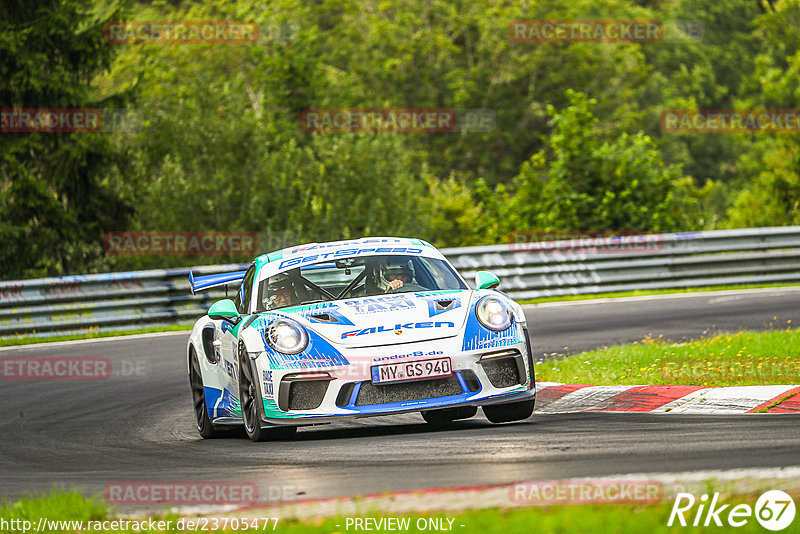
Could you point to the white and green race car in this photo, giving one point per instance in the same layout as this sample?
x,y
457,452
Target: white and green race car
x,y
373,326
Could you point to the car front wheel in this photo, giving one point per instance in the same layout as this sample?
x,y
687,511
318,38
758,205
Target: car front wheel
x,y
203,422
250,400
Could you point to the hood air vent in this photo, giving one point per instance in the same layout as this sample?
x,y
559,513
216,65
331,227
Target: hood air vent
x,y
443,305
323,318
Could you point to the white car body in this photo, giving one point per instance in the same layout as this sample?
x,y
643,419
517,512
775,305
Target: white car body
x,y
334,376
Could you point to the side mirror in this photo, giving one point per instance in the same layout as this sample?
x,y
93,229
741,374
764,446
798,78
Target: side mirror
x,y
486,280
224,310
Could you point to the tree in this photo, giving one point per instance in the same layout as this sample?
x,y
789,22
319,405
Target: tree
x,y
771,195
54,202
585,183
773,199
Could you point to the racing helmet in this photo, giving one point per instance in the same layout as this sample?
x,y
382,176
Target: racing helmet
x,y
279,286
397,266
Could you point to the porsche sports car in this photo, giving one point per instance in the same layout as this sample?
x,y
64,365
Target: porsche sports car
x,y
368,327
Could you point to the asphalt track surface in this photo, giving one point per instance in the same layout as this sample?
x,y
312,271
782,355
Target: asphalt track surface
x,y
138,425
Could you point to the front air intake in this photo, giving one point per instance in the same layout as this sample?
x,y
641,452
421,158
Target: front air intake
x,y
504,368
345,392
302,391
407,391
307,394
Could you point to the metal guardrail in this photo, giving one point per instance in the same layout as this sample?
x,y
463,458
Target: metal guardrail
x,y
657,261
131,300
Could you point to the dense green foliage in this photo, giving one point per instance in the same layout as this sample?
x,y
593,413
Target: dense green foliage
x,y
576,143
55,198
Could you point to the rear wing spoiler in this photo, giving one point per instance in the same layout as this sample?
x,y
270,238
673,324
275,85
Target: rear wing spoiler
x,y
201,283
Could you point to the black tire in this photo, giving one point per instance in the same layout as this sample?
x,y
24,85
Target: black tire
x,y
505,413
204,425
250,402
448,415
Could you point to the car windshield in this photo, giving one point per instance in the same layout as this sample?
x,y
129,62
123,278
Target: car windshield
x,y
351,277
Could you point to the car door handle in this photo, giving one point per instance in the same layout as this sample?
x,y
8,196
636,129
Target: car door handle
x,y
217,343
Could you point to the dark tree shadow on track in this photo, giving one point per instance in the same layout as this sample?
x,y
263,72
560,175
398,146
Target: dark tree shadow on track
x,y
329,432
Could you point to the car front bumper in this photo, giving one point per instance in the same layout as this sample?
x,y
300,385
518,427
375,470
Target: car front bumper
x,y
496,375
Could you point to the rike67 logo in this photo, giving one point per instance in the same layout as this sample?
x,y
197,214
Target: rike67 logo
x,y
774,510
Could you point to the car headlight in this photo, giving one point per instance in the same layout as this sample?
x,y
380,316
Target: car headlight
x,y
493,314
287,336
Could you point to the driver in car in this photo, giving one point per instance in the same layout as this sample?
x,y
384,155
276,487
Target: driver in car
x,y
279,294
399,274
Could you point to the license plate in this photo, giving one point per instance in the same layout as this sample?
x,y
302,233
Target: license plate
x,y
403,372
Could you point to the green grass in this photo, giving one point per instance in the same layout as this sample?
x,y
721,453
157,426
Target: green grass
x,y
58,505
618,518
13,341
732,359
642,293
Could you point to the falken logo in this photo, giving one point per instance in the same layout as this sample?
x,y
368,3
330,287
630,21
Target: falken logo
x,y
398,328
